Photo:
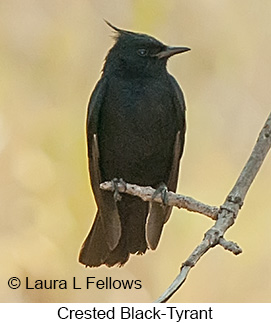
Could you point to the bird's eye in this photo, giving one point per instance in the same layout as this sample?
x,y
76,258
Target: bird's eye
x,y
142,52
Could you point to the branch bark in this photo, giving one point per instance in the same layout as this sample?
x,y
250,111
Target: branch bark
x,y
178,200
225,216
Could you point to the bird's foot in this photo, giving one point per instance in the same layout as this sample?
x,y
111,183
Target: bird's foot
x,y
163,190
115,182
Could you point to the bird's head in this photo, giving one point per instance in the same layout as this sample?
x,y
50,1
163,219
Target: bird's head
x,y
136,53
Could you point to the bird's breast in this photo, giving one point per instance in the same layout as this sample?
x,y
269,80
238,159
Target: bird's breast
x,y
139,101
137,129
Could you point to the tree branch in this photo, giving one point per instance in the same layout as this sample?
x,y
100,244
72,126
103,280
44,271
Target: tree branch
x,y
225,216
178,200
228,211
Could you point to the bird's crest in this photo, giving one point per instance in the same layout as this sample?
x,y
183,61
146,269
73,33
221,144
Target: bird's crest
x,y
113,27
120,31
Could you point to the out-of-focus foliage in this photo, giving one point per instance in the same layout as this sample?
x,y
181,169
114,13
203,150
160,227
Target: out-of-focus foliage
x,y
51,55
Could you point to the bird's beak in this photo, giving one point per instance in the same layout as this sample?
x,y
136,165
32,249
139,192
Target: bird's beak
x,y
170,51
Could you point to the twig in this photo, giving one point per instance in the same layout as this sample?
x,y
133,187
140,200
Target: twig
x,y
178,200
225,215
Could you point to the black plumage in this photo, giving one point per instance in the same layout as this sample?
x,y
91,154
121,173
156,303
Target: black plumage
x,y
135,131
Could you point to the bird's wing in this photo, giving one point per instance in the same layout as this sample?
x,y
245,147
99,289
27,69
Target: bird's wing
x,y
179,104
107,209
159,214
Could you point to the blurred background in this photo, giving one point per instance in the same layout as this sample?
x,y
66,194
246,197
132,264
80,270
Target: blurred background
x,y
51,56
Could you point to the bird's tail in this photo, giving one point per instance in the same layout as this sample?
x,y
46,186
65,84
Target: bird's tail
x,y
133,213
97,249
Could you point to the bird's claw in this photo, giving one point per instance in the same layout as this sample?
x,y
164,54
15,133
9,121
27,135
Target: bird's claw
x,y
115,189
163,191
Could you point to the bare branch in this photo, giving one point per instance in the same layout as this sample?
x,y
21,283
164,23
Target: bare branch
x,y
178,200
228,211
230,245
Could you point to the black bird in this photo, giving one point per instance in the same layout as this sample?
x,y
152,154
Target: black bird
x,y
135,131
